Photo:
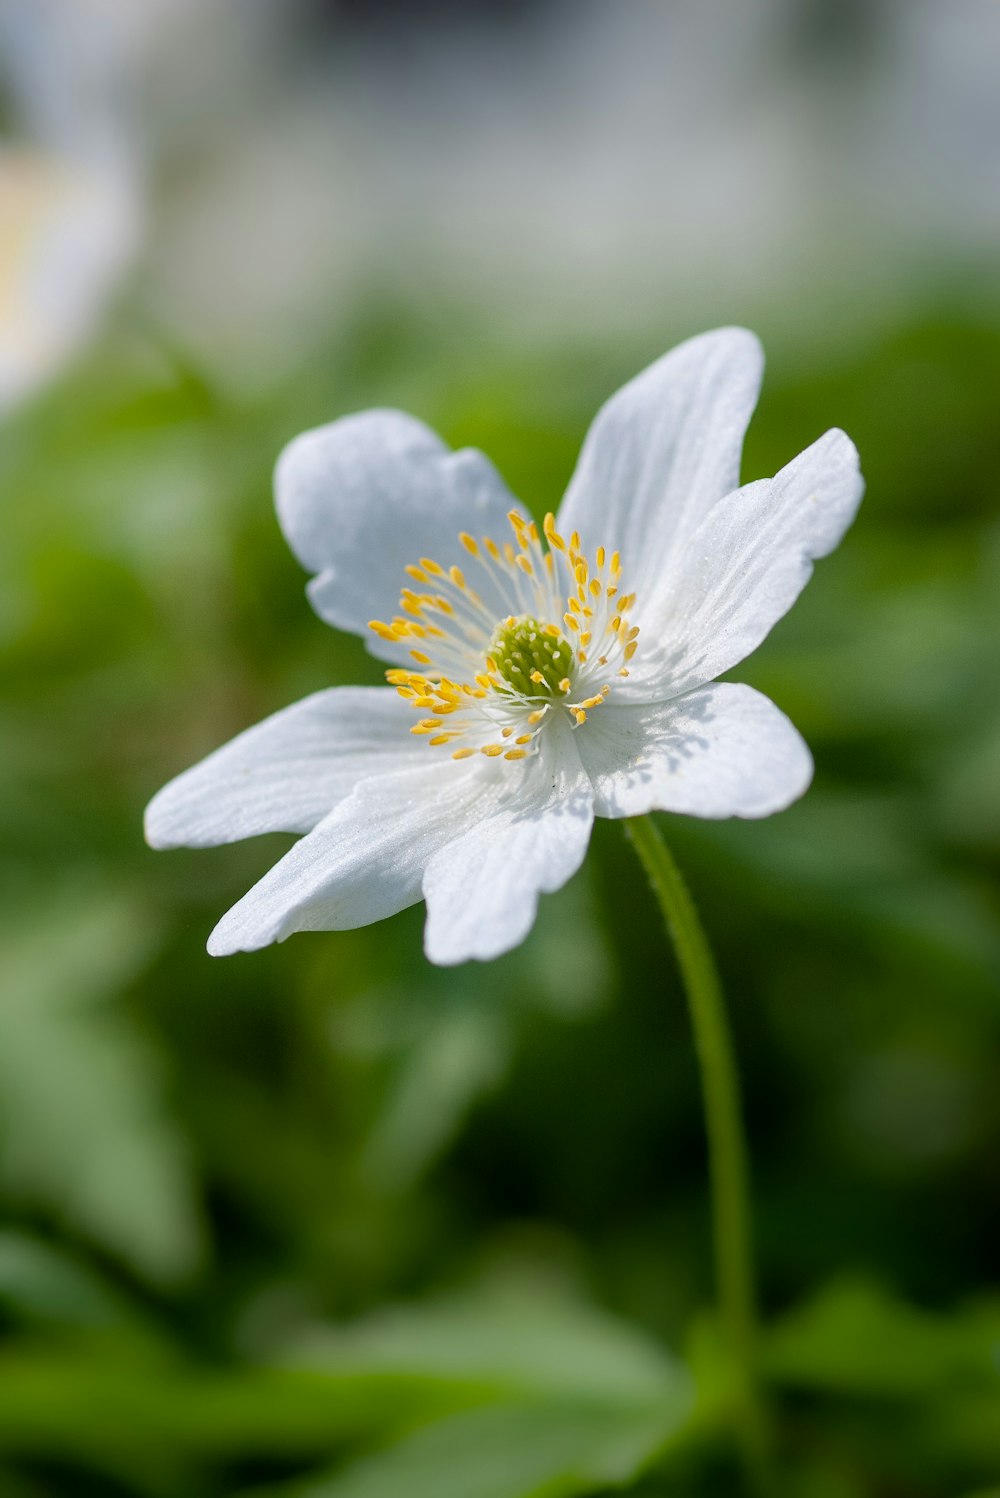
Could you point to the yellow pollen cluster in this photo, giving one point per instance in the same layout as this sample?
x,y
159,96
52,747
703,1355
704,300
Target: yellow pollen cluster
x,y
544,632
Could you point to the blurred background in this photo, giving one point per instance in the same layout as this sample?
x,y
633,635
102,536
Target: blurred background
x,y
324,1221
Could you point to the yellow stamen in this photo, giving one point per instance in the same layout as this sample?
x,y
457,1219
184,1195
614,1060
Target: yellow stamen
x,y
519,668
551,534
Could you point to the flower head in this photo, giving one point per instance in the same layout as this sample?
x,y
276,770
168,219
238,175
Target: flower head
x,y
537,676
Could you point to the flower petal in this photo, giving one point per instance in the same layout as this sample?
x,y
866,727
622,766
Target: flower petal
x,y
363,862
361,498
482,888
662,451
722,751
746,564
287,773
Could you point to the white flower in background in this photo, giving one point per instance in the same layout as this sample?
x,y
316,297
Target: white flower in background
x,y
67,233
538,677
71,188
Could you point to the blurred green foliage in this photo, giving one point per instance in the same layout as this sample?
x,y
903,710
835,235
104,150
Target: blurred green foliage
x,y
324,1221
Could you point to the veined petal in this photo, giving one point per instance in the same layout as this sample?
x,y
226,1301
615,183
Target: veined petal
x,y
362,863
721,751
361,498
663,451
287,773
482,887
745,565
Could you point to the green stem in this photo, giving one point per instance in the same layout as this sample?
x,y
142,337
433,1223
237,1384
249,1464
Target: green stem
x,y
724,1127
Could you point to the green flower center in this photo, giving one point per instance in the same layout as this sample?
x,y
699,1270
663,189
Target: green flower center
x,y
532,658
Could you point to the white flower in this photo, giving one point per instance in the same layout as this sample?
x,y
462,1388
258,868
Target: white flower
x,y
67,233
538,677
71,186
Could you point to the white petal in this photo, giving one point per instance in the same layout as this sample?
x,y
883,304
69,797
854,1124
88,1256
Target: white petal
x,y
746,564
287,773
364,496
662,451
362,863
482,888
721,751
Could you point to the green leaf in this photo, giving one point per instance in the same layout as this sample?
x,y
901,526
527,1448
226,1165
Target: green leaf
x,y
85,1131
577,1398
856,1339
510,1451
103,1402
42,1285
513,1335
